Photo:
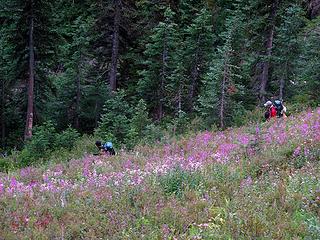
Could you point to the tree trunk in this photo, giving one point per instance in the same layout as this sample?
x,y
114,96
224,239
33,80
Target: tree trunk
x,y
96,117
29,121
115,46
78,97
2,116
163,76
269,43
194,74
223,91
282,81
313,8
180,98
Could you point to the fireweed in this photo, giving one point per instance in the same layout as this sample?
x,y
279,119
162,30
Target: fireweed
x,y
96,179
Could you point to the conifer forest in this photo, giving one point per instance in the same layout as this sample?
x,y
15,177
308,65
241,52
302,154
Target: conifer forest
x,y
86,64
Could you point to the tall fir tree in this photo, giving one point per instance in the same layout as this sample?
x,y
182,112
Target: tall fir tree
x,y
159,64
221,79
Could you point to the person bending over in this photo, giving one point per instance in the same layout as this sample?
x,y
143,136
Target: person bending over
x,y
106,148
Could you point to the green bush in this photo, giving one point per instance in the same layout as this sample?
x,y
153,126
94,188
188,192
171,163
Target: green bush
x,y
25,157
115,122
5,165
299,103
45,142
66,139
138,125
152,133
42,140
179,124
177,181
241,116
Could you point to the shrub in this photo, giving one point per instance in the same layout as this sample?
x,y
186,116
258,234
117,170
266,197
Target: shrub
x,y
152,133
66,139
138,125
42,140
178,124
115,123
5,165
242,116
178,180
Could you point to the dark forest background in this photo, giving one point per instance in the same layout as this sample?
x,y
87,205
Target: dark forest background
x,y
126,70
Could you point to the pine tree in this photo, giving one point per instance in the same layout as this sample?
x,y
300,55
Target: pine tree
x,y
197,47
221,78
8,65
159,64
115,121
308,76
33,45
75,62
287,47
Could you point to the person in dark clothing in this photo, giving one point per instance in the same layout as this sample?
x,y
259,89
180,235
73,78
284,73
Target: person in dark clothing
x,y
106,148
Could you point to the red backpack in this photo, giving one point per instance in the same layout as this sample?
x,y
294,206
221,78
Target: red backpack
x,y
273,111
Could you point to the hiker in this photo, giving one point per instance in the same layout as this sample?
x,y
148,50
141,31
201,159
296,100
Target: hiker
x,y
275,109
105,148
281,109
271,110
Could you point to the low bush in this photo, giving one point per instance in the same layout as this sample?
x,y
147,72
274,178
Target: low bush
x,y
67,139
177,181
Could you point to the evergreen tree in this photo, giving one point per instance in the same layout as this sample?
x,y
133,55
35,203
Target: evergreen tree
x,y
308,80
9,115
159,64
33,48
287,48
115,121
74,78
221,79
197,47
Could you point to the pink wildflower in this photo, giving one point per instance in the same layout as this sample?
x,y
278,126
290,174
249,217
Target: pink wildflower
x,y
297,151
1,187
246,182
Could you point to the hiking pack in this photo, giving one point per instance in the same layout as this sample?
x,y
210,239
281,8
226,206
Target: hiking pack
x,y
105,148
279,107
108,147
274,109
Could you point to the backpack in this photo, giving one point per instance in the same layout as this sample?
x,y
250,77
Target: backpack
x,y
279,107
108,145
273,111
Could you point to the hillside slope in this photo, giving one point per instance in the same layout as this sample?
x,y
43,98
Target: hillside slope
x,y
254,182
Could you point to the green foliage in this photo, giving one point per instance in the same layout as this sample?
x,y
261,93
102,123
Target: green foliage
x,y
66,139
155,84
115,122
222,78
42,141
308,76
153,133
242,116
311,221
178,181
138,124
5,165
180,124
174,55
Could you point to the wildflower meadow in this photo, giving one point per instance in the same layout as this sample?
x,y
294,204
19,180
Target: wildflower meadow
x,y
259,181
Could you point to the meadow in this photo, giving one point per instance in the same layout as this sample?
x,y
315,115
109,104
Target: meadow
x,y
259,181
